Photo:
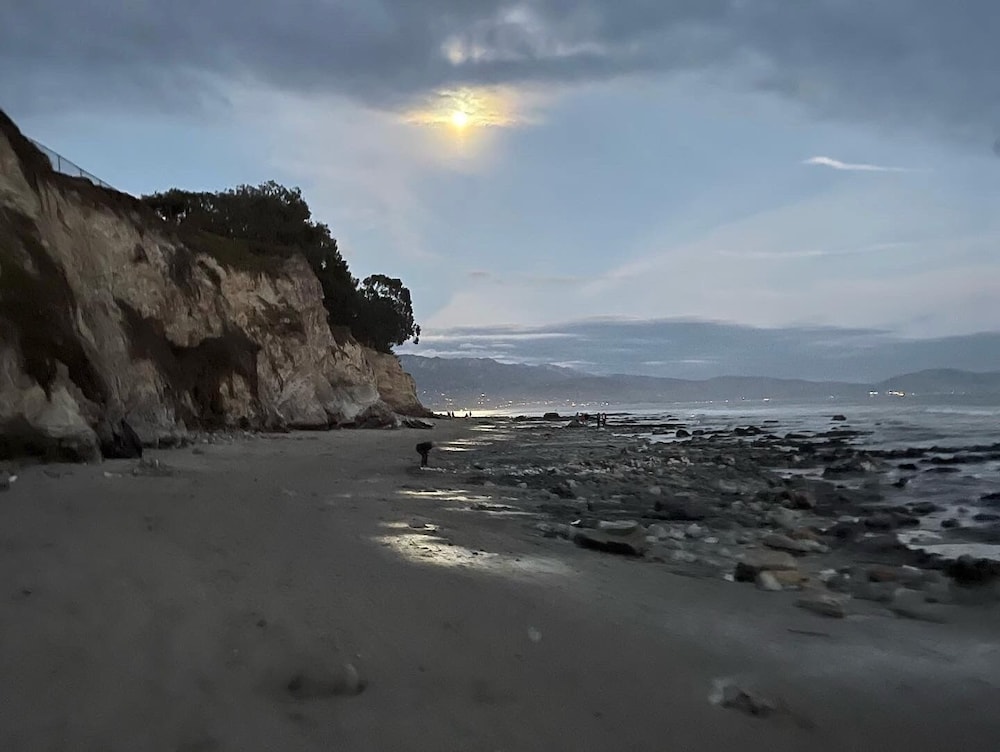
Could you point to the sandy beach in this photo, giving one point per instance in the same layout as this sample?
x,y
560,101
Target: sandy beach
x,y
318,591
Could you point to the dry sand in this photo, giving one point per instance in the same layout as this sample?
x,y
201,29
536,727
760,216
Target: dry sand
x,y
175,613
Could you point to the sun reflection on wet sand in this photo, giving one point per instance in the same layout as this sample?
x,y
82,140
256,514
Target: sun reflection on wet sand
x,y
429,547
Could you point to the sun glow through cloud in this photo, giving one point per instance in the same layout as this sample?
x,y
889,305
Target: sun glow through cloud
x,y
468,109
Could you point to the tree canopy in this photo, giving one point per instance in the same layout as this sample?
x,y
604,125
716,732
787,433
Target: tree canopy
x,y
272,220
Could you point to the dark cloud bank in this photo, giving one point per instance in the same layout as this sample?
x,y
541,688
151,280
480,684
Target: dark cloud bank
x,y
922,63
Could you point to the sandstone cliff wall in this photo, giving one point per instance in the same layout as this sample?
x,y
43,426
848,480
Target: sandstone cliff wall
x,y
105,315
397,388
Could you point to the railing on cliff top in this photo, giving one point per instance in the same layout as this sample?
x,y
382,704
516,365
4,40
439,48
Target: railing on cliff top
x,y
63,165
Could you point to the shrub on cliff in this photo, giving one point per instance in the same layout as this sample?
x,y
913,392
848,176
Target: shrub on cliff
x,y
248,225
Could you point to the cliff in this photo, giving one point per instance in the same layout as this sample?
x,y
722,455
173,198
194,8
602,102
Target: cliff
x,y
396,386
105,316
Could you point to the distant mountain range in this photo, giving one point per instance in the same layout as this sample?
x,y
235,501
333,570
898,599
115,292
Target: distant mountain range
x,y
462,382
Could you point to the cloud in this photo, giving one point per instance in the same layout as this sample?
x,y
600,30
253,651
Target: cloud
x,y
908,63
836,164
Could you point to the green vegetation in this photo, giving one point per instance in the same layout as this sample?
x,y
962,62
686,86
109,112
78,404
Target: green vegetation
x,y
256,228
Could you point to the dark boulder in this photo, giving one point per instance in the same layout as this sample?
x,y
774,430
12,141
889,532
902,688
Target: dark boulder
x,y
119,441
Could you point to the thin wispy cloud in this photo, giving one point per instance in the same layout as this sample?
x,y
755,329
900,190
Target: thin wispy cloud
x,y
836,164
812,252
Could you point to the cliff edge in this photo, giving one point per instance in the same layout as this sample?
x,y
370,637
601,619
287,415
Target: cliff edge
x,y
105,316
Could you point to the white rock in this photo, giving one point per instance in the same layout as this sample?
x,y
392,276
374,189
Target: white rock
x,y
694,530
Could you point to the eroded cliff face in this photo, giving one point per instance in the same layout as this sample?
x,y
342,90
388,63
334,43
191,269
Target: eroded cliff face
x,y
397,388
105,315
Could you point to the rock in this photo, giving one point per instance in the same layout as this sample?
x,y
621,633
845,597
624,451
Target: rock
x,y
790,579
824,604
563,491
839,417
695,531
316,684
5,480
967,570
762,560
417,423
682,433
618,527
950,523
800,499
678,510
654,491
881,573
551,416
880,592
784,518
924,507
727,694
119,440
152,468
602,540
658,532
881,521
912,604
985,517
767,581
990,497
784,543
555,530
804,533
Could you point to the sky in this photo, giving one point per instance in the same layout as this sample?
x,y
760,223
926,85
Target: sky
x,y
540,168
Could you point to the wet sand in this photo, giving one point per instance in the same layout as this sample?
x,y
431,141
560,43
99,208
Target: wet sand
x,y
184,611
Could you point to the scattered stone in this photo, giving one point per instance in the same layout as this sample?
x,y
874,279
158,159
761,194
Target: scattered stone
x,y
767,581
784,518
152,468
824,604
618,527
968,570
602,540
924,507
881,573
762,560
316,684
784,543
790,579
695,531
865,590
554,530
912,604
881,521
727,694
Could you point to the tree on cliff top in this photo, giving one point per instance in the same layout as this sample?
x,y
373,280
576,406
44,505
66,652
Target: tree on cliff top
x,y
271,220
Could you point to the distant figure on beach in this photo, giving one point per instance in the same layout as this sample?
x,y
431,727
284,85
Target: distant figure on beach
x,y
424,449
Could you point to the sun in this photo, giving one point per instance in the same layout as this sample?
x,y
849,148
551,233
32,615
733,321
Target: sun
x,y
459,119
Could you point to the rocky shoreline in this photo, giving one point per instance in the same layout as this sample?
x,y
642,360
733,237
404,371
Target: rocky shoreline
x,y
748,504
